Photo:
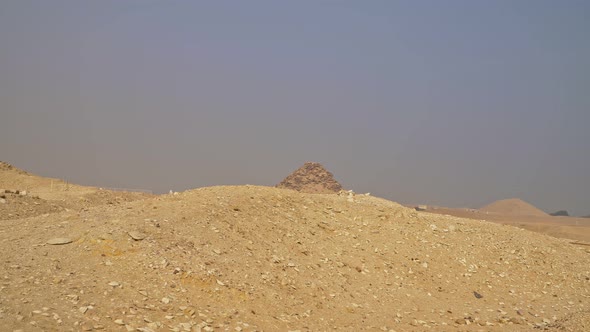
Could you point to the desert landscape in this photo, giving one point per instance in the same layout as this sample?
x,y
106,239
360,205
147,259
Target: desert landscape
x,y
294,166
306,255
520,214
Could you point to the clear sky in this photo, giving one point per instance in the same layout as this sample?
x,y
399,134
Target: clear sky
x,y
454,103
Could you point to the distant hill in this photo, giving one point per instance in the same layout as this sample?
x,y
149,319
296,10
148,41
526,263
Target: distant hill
x,y
515,207
560,213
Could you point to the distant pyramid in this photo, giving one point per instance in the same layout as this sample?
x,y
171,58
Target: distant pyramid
x,y
311,178
514,207
560,213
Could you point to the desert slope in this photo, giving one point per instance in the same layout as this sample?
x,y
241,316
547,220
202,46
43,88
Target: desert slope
x,y
248,258
24,195
13,178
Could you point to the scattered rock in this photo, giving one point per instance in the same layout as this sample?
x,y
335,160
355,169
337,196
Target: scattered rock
x,y
59,241
137,236
145,329
461,321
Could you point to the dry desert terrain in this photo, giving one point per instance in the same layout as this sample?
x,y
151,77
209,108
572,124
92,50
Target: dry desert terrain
x,y
252,258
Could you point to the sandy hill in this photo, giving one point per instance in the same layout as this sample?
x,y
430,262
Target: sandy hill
x,y
311,178
513,206
248,258
23,194
4,167
12,178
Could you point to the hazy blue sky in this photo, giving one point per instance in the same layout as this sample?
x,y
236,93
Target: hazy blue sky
x,y
455,103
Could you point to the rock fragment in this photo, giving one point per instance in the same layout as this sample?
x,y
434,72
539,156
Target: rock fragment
x,y
137,236
59,241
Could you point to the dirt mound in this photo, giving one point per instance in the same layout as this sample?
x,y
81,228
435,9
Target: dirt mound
x,y
248,258
311,178
103,196
513,206
4,166
17,205
13,178
54,194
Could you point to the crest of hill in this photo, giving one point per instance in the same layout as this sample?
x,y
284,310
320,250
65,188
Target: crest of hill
x,y
6,167
311,178
515,207
14,178
39,194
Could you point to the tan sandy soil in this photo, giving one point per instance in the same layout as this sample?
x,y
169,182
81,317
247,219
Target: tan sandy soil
x,y
249,258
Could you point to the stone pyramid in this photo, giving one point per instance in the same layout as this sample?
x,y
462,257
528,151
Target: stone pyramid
x,y
311,178
515,207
